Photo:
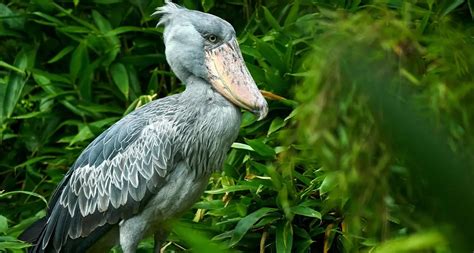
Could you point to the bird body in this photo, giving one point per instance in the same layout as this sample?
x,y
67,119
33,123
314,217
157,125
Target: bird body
x,y
188,178
154,164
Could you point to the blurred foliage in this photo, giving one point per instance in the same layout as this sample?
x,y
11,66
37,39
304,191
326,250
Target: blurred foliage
x,y
368,145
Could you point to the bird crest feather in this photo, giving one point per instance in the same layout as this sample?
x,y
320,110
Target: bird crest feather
x,y
166,12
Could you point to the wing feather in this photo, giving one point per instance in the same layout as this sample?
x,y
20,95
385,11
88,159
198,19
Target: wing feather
x,y
113,177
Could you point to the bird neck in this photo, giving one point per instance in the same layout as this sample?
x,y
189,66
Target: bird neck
x,y
196,85
198,89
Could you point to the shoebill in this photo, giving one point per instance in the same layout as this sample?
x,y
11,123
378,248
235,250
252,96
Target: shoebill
x,y
154,163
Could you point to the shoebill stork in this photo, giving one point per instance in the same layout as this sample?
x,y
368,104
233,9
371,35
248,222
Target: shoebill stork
x,y
154,164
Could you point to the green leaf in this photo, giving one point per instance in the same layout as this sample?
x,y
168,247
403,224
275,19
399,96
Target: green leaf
x,y
61,54
413,243
137,103
199,241
271,55
127,29
107,2
470,3
3,224
284,237
33,161
73,17
260,147
293,14
53,20
11,243
11,67
329,183
209,204
73,29
84,134
85,80
102,23
79,61
247,222
276,124
270,19
306,211
11,19
207,4
233,188
15,84
7,194
242,146
120,76
452,6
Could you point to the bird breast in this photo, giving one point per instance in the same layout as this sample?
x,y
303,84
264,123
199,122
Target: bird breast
x,y
209,137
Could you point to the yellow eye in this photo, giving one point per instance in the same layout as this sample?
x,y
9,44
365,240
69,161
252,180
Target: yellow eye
x,y
212,38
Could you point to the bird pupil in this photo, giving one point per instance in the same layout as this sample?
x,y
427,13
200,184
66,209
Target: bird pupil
x,y
212,38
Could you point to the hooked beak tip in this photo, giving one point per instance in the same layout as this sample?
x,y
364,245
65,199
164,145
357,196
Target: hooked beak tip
x,y
261,111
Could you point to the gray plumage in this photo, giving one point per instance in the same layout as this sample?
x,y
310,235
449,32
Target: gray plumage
x,y
154,163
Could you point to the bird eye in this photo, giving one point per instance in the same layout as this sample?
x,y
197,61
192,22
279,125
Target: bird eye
x,y
212,38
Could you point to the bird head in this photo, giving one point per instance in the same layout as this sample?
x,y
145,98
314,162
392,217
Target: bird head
x,y
203,45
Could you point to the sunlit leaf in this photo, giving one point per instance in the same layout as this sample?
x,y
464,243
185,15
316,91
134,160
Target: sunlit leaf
x,y
238,145
306,211
260,147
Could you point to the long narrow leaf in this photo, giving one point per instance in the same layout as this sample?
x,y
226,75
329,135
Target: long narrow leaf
x,y
247,222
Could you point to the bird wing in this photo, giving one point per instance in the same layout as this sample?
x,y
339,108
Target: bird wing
x,y
113,177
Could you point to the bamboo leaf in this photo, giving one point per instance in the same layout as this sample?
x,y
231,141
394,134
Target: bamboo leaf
x,y
306,211
293,14
276,125
260,147
15,83
102,23
61,54
120,76
270,19
11,67
207,4
247,222
233,188
3,224
79,61
284,237
242,146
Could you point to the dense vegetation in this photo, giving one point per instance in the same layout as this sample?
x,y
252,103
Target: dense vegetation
x,y
368,145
